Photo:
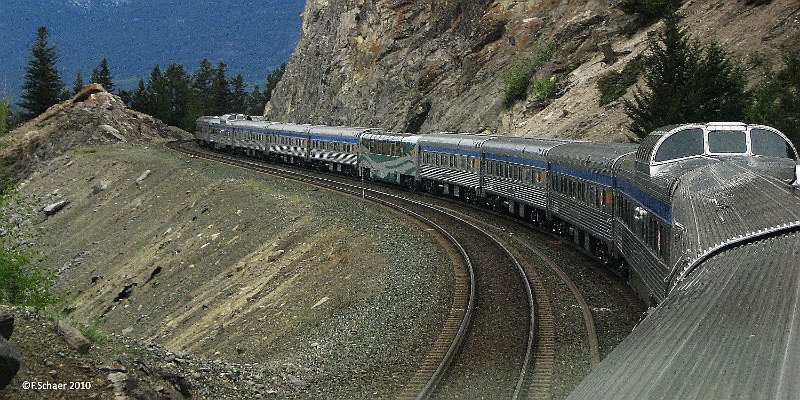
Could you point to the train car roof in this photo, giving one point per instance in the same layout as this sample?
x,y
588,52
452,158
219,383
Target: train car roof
x,y
590,155
730,331
459,141
337,131
523,147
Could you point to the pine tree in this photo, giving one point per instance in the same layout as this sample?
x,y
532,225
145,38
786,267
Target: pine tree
x,y
272,81
78,85
256,101
776,100
219,93
180,94
43,86
239,96
102,75
139,99
4,116
158,95
717,91
201,86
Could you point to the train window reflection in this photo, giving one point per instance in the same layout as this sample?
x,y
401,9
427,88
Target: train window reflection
x,y
727,142
681,144
768,143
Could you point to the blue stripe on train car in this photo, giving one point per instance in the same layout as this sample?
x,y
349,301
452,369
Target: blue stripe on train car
x,y
517,160
450,151
334,139
282,133
656,206
585,175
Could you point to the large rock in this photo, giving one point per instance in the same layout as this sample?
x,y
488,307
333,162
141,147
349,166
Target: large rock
x,y
73,337
52,209
9,362
6,325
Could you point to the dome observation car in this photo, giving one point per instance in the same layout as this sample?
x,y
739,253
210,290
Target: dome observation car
x,y
676,143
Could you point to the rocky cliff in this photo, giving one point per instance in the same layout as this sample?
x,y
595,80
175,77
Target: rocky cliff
x,y
413,65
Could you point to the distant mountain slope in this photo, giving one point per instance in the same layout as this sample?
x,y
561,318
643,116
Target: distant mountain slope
x,y
253,37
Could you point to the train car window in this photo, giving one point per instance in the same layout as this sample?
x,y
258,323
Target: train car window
x,y
680,145
768,143
728,142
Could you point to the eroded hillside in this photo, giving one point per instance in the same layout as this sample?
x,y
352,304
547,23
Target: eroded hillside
x,y
440,66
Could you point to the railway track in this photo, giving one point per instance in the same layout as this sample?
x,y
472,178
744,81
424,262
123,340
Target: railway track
x,y
486,348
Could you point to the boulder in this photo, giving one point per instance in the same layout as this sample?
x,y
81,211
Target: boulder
x,y
73,337
6,325
142,177
52,209
111,133
9,362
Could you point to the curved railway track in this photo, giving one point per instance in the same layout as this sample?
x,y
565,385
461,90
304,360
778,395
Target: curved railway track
x,y
487,344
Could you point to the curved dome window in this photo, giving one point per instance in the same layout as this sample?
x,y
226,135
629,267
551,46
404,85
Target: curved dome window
x,y
727,142
682,144
768,143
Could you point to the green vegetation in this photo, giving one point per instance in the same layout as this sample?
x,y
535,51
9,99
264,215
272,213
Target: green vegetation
x,y
518,79
545,89
102,75
686,83
776,100
78,85
179,99
649,11
21,283
93,333
4,116
615,84
43,86
83,151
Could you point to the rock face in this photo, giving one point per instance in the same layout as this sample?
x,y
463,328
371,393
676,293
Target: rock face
x,y
413,65
92,117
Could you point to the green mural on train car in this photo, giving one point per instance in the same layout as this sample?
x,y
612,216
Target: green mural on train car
x,y
389,162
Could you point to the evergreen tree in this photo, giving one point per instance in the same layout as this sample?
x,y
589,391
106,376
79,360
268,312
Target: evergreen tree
x,y
201,86
102,75
272,81
139,99
158,95
776,100
256,101
219,93
4,116
179,91
239,96
43,86
78,85
717,91
685,85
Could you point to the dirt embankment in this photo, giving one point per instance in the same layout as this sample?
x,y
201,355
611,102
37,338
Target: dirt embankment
x,y
301,291
93,116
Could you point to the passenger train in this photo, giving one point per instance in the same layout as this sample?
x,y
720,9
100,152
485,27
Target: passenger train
x,y
653,211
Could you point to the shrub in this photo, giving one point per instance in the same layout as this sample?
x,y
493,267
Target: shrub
x,y
21,283
615,84
516,85
545,89
647,11
518,79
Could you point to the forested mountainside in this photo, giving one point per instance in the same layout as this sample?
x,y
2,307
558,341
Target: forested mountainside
x,y
252,37
413,65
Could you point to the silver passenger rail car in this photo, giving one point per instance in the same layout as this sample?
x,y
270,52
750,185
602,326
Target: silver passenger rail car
x,y
581,198
288,142
515,175
449,163
335,148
